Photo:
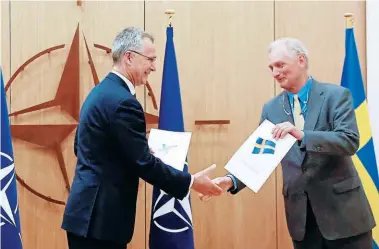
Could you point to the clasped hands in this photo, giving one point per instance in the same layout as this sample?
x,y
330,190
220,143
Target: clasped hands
x,y
224,183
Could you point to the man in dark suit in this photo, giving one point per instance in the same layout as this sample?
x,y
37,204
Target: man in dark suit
x,y
113,153
326,206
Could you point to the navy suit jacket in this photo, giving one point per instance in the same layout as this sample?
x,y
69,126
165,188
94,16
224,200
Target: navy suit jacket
x,y
112,154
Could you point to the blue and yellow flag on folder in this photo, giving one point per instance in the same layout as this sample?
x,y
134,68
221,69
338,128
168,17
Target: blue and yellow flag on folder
x,y
364,160
10,232
171,219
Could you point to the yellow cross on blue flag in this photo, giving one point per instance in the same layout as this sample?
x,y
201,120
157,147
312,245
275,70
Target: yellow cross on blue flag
x,y
10,231
263,146
364,160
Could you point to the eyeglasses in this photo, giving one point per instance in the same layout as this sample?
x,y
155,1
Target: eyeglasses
x,y
151,59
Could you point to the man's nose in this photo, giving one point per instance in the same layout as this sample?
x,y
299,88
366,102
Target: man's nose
x,y
275,72
153,66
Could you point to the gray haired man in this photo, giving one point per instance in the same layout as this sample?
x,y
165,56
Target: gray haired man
x,y
325,204
113,154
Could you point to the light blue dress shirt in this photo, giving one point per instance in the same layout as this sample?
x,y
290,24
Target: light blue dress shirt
x,y
303,97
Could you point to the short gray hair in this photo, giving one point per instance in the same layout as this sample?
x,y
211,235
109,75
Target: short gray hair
x,y
128,39
293,45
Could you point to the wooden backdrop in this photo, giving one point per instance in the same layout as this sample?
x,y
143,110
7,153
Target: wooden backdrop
x,y
221,50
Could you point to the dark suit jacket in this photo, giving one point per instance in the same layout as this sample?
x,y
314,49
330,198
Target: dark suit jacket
x,y
321,169
113,153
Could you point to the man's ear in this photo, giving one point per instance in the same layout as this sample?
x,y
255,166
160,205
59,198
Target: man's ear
x,y
128,58
302,60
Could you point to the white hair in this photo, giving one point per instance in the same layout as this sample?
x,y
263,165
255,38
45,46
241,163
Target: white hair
x,y
293,46
128,39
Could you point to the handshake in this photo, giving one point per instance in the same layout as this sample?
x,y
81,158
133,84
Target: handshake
x,y
207,187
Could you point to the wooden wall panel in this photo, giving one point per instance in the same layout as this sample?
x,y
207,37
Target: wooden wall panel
x,y
321,26
3,35
4,43
1,30
4,40
38,83
221,55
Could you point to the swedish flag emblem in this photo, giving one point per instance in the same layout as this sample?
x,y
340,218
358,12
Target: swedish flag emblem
x,y
264,146
365,158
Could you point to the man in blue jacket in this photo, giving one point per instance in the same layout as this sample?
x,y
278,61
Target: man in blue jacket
x,y
113,153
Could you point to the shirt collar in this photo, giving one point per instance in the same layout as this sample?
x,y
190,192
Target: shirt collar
x,y
127,82
303,93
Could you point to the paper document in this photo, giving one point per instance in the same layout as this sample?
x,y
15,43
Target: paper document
x,y
258,156
170,146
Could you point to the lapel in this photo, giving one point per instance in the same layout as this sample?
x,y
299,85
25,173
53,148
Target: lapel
x,y
315,102
286,112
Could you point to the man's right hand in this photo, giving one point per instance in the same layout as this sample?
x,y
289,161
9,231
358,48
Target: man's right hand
x,y
204,185
224,182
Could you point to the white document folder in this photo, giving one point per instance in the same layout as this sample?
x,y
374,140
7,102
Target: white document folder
x,y
170,146
258,156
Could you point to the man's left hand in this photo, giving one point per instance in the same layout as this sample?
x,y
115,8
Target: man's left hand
x,y
224,182
282,129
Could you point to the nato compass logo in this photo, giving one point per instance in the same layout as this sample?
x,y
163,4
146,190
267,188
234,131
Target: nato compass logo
x,y
8,200
172,215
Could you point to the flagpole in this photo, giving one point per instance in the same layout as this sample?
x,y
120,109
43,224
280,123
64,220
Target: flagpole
x,y
349,20
170,13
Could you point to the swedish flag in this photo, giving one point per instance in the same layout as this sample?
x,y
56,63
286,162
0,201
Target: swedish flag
x,y
263,146
364,160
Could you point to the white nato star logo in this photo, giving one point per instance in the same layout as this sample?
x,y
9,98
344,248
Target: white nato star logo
x,y
4,202
169,207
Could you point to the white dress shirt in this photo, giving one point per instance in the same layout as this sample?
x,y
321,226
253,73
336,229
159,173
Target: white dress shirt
x,y
127,82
